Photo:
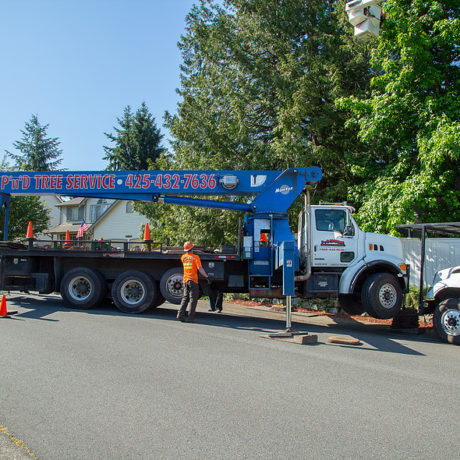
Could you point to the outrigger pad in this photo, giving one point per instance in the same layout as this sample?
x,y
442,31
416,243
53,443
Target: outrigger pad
x,y
301,338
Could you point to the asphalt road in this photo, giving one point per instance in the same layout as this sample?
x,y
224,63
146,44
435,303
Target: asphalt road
x,y
99,384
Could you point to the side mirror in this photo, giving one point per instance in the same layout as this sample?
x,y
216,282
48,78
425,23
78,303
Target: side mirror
x,y
348,230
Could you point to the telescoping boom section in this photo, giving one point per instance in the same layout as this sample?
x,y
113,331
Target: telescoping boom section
x,y
282,186
269,196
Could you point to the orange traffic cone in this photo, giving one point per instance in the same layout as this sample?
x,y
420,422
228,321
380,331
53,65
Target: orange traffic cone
x,y
67,243
3,312
30,232
147,232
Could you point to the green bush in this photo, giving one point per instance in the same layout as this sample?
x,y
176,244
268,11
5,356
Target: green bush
x,y
412,297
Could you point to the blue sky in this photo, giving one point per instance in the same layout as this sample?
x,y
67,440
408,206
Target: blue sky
x,y
77,63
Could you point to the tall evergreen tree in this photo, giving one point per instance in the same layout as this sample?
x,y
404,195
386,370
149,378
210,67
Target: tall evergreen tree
x,y
37,152
259,80
137,142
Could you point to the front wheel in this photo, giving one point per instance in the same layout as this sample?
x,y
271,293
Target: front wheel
x,y
133,291
446,320
351,304
382,295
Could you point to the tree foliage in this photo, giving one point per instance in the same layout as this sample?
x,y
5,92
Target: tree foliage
x,y
410,121
137,142
258,85
37,152
22,210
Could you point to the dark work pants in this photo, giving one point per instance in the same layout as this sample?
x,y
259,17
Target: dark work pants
x,y
215,300
191,293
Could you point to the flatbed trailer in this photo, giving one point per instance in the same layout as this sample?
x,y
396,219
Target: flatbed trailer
x,y
136,279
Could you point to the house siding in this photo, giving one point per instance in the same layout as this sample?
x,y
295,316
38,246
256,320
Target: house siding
x,y
50,202
118,224
114,223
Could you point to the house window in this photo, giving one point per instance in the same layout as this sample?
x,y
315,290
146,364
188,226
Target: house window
x,y
62,237
74,213
129,207
96,210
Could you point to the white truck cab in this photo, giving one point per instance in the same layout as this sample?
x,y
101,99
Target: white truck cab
x,y
443,299
365,270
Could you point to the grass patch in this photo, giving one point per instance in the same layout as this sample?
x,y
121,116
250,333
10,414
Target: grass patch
x,y
18,442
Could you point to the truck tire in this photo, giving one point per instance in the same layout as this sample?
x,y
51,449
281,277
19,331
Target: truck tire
x,y
83,288
159,299
133,291
381,295
351,304
171,285
446,320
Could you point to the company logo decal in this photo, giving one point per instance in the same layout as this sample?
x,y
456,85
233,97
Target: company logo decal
x,y
332,243
284,189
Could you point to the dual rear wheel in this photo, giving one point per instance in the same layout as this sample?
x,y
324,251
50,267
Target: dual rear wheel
x,y
135,291
132,291
83,288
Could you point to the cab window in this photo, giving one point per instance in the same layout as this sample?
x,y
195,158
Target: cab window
x,y
329,220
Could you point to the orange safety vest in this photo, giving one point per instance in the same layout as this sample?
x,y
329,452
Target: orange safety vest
x,y
191,263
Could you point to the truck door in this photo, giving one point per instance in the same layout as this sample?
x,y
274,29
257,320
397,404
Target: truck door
x,y
334,237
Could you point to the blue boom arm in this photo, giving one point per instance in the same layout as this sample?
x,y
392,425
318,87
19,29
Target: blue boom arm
x,y
273,191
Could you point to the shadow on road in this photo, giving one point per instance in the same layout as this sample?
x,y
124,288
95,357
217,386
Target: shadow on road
x,y
373,337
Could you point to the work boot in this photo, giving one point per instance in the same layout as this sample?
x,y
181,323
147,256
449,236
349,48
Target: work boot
x,y
180,317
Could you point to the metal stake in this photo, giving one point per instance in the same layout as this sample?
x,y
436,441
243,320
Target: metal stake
x,y
288,313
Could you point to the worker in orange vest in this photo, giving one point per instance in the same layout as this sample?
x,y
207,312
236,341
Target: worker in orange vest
x,y
192,265
263,239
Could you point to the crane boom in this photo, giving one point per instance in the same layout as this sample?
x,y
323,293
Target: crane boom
x,y
274,190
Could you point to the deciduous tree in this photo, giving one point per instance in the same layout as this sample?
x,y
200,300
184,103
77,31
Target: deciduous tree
x,y
22,210
410,121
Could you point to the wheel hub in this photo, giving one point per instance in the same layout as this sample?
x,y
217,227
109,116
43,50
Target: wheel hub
x,y
132,292
387,296
175,286
451,322
80,288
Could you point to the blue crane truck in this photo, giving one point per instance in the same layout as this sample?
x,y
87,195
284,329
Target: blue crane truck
x,y
329,256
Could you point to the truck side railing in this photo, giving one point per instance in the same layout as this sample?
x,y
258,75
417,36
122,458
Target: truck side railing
x,y
109,246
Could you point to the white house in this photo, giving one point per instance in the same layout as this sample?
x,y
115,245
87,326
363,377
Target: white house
x,y
51,202
106,219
